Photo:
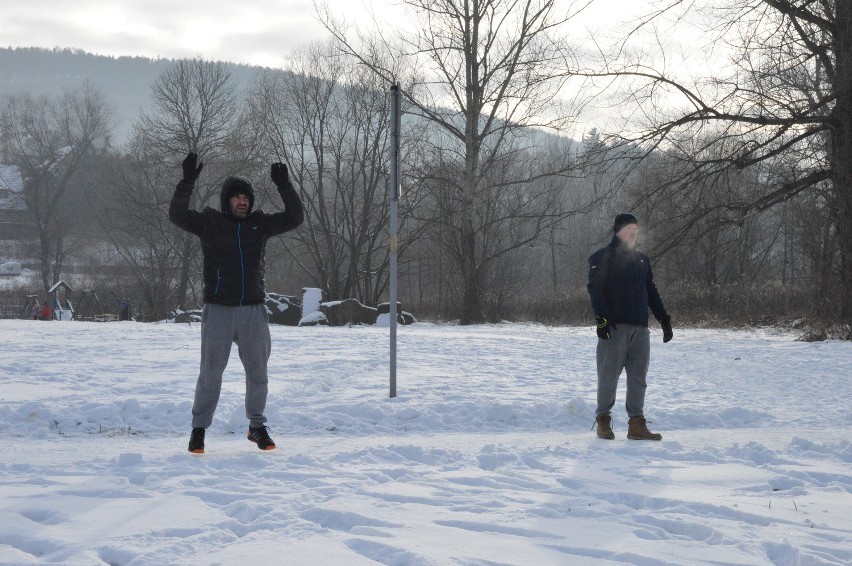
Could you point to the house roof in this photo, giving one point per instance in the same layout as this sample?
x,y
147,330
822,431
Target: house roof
x,y
60,284
10,178
11,181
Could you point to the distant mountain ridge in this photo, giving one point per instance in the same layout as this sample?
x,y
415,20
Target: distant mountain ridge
x,y
125,81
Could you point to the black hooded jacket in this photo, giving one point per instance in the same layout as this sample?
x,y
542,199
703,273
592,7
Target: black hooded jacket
x,y
234,248
621,285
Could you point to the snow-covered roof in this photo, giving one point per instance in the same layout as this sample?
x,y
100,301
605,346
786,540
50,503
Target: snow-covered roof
x,y
58,285
11,188
10,178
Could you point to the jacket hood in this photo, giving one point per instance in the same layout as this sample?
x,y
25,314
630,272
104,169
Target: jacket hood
x,y
233,186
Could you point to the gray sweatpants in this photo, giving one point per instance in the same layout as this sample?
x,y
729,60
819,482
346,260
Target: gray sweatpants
x,y
248,327
629,347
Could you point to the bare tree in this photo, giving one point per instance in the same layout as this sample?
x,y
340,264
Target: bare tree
x,y
141,234
195,108
330,120
483,73
783,107
49,140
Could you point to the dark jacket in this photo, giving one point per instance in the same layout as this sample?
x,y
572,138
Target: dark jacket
x,y
234,248
621,285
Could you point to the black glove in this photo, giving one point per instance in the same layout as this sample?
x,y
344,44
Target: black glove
x,y
279,174
666,325
603,327
190,170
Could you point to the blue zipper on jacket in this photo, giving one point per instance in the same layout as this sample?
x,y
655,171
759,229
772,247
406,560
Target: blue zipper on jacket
x,y
242,263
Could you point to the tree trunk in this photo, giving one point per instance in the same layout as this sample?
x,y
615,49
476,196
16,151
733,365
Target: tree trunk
x,y
44,260
841,154
183,284
554,263
58,260
843,190
471,271
472,311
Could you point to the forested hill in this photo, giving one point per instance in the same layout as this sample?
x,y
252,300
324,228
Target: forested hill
x,y
125,81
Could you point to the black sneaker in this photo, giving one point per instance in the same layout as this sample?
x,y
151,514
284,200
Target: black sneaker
x,y
196,441
260,436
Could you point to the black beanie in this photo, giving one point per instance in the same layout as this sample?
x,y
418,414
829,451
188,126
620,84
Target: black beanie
x,y
623,220
233,186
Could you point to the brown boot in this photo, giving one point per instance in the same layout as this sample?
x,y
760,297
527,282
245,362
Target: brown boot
x,y
638,430
605,427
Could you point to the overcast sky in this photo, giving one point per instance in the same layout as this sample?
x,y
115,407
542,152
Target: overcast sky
x,y
259,32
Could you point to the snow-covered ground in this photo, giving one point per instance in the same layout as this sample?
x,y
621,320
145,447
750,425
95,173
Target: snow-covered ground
x,y
486,457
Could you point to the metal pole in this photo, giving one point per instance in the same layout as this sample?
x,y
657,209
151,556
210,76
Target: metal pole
x,y
394,239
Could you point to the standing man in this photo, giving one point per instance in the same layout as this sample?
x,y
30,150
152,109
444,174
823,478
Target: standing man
x,y
622,289
233,242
